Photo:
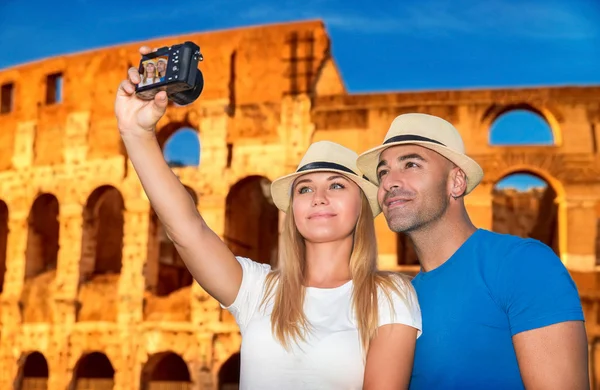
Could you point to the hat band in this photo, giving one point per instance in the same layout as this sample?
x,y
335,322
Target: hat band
x,y
411,137
327,165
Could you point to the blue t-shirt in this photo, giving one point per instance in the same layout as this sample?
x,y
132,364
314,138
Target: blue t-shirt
x,y
493,287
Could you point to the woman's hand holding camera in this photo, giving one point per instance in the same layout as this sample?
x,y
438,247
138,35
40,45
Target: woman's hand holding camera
x,y
136,117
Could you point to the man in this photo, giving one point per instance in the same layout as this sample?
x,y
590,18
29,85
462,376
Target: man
x,y
499,311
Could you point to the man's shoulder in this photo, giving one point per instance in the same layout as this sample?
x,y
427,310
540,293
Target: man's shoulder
x,y
503,246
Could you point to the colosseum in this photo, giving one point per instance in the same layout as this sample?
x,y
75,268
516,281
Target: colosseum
x,y
93,294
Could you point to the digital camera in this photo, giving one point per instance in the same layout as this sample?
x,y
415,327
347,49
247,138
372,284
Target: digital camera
x,y
172,69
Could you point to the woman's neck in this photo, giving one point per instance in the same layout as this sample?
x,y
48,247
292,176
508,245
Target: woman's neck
x,y
328,264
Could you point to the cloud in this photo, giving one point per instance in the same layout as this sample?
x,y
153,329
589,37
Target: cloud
x,y
527,19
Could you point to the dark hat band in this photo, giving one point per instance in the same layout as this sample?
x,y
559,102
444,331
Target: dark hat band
x,y
411,137
327,165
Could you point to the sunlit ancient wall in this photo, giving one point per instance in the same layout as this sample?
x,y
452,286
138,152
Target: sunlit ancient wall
x,y
92,291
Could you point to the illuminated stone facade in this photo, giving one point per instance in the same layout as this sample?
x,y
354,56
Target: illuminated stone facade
x,y
92,293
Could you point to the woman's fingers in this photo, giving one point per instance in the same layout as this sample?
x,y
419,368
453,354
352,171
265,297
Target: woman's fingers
x,y
134,75
126,88
145,50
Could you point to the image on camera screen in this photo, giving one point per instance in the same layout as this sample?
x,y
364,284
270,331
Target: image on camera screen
x,y
153,70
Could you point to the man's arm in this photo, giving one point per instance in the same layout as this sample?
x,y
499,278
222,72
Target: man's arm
x,y
390,358
554,357
545,316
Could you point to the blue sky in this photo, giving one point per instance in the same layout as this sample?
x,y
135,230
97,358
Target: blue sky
x,y
378,46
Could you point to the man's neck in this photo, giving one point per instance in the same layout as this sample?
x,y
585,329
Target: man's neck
x,y
438,241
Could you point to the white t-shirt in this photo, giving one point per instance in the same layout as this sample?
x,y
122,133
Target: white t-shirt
x,y
331,357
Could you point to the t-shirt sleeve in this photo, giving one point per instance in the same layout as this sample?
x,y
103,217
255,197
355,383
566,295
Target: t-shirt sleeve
x,y
406,309
535,288
250,293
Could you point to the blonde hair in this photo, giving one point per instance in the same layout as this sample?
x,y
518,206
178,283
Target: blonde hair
x,y
288,321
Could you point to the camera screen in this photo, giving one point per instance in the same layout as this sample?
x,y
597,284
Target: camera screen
x,y
153,70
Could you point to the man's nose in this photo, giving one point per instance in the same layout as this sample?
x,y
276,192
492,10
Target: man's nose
x,y
393,179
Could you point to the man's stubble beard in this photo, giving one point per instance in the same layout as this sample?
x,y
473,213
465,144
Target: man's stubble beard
x,y
432,209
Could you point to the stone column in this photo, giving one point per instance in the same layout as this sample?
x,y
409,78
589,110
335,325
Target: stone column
x,y
67,287
578,227
479,205
135,249
131,292
10,350
387,242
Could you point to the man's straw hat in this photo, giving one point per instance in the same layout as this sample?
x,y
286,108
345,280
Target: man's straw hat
x,y
429,132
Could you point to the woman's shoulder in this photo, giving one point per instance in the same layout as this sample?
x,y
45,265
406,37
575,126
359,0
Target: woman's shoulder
x,y
396,289
390,282
397,300
253,266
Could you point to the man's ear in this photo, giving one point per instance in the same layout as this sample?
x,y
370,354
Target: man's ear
x,y
458,181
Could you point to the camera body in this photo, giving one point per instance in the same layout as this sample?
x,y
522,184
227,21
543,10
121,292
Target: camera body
x,y
173,69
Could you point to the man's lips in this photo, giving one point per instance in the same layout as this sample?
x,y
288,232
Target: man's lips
x,y
396,202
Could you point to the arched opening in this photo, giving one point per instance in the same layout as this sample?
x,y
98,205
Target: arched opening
x,y
41,255
101,254
524,204
182,148
165,370
93,371
519,127
251,220
168,281
3,241
33,373
405,250
229,374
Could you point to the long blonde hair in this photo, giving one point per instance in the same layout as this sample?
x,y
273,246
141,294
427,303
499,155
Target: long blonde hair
x,y
288,321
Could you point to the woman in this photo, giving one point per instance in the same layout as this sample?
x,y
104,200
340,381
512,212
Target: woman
x,y
150,75
326,318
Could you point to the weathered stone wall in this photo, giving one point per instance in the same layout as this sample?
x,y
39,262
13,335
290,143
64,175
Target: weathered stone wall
x,y
90,280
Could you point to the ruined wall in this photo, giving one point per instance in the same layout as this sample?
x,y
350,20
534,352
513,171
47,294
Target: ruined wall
x,y
87,276
91,281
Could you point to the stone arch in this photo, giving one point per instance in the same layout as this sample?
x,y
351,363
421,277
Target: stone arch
x,y
229,374
166,271
41,256
500,118
93,371
165,370
535,211
103,220
33,372
182,148
165,133
101,254
3,241
251,220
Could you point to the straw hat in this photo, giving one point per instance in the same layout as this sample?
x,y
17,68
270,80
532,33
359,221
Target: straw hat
x,y
324,156
430,132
